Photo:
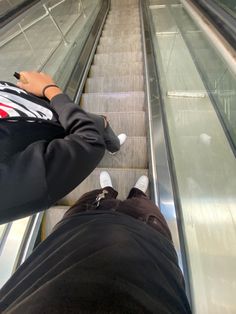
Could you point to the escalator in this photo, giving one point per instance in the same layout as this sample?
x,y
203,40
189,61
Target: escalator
x,y
159,78
115,88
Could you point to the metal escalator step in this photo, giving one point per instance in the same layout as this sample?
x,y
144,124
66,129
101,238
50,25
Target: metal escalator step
x,y
116,40
130,123
122,26
127,8
122,179
124,5
117,32
114,102
129,47
133,154
124,14
124,10
126,18
131,12
114,84
118,37
117,57
122,20
135,68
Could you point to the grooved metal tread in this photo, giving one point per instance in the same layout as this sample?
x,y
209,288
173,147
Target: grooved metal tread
x,y
118,36
114,84
120,39
120,7
127,15
122,21
132,11
122,179
122,26
126,20
135,68
133,123
114,102
118,32
117,57
131,155
119,47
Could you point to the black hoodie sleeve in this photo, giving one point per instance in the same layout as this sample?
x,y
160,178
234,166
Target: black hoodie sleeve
x,y
44,172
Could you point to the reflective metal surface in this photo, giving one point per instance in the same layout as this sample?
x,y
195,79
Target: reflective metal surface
x,y
11,248
30,235
220,78
160,167
203,161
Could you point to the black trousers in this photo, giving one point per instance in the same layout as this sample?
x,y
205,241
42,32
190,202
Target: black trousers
x,y
137,205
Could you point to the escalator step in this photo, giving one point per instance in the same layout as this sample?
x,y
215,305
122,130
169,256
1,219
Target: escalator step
x,y
128,14
131,155
127,18
121,25
114,84
117,32
124,20
125,39
131,10
130,123
124,4
122,69
122,180
119,47
117,57
114,102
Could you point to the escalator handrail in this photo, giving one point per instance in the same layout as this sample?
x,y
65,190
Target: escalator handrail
x,y
16,11
76,82
221,19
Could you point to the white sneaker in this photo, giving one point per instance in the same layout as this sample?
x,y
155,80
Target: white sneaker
x,y
142,184
105,179
122,138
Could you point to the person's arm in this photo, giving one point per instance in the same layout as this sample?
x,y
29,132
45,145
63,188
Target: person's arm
x,y
44,172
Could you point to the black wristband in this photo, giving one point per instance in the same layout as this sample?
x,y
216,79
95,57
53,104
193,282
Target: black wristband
x,y
47,86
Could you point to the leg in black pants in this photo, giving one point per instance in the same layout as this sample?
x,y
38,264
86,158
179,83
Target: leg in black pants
x,y
137,205
89,200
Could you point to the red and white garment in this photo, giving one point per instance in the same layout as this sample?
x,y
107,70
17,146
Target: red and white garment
x,y
24,119
16,103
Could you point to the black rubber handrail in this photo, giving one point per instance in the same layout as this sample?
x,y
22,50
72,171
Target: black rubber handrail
x,y
14,12
221,19
76,82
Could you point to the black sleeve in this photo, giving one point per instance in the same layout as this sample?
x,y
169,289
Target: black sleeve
x,y
44,172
